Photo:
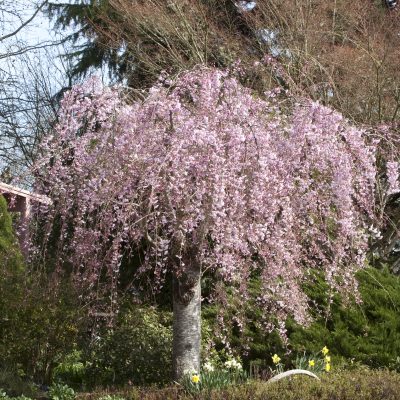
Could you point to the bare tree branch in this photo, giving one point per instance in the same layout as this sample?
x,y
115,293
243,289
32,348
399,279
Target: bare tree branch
x,y
26,49
28,21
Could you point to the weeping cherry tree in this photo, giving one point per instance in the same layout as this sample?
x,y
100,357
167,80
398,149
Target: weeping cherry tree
x,y
204,176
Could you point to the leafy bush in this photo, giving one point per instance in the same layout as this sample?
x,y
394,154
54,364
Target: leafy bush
x,y
70,370
5,396
58,391
41,326
13,381
11,259
368,332
136,351
37,319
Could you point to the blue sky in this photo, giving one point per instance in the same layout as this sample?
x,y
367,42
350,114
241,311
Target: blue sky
x,y
30,57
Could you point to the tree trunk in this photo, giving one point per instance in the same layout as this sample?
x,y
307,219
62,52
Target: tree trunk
x,y
187,322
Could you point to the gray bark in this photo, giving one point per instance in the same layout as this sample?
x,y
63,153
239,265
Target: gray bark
x,y
187,322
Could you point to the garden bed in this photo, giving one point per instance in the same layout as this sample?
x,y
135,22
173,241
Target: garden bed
x,y
347,385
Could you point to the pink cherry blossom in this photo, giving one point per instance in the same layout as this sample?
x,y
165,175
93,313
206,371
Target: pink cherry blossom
x,y
254,187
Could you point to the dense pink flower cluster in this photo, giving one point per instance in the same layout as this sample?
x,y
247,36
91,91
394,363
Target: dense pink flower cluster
x,y
392,170
205,164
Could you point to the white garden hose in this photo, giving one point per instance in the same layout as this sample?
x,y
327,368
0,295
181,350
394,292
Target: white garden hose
x,y
292,372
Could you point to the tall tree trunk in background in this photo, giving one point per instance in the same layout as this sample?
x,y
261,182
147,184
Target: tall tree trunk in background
x,y
187,321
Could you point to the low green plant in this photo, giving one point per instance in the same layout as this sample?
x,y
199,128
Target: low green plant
x,y
59,391
278,366
14,382
70,369
395,364
5,396
215,377
312,363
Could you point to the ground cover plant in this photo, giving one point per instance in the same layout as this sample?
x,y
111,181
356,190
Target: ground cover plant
x,y
362,384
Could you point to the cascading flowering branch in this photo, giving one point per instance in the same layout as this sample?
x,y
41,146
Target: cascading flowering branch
x,y
204,169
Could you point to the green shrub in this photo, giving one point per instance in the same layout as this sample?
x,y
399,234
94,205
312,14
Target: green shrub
x,y
5,396
136,351
38,316
11,259
368,333
42,326
70,369
58,391
14,382
38,319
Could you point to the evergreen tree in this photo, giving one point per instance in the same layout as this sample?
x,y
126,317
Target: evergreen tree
x,y
94,52
306,48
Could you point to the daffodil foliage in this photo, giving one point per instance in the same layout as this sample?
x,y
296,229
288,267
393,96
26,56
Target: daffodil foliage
x,y
203,171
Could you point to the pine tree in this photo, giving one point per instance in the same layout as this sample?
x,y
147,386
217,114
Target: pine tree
x,y
94,52
307,48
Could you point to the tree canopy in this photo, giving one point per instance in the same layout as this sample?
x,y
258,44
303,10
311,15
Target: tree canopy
x,y
203,171
312,41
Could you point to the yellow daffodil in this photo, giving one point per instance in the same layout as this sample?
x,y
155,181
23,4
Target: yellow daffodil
x,y
311,363
327,367
325,351
327,359
276,359
195,378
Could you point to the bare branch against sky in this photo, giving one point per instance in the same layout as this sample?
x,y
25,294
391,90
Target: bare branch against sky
x,y
22,24
31,74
